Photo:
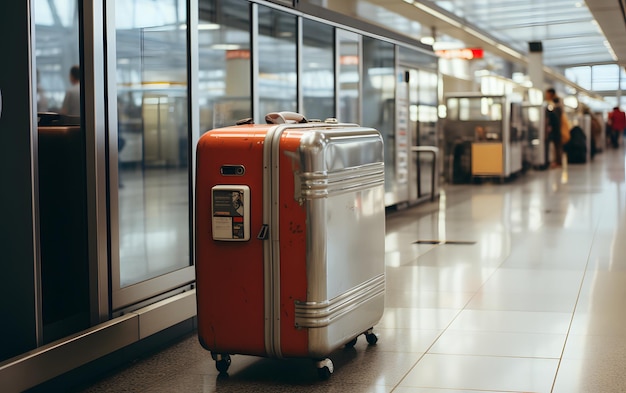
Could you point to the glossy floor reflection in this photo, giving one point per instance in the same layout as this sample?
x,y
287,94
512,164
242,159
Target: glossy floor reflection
x,y
533,302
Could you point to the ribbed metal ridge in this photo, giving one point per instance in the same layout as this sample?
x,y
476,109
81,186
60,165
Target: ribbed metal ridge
x,y
321,314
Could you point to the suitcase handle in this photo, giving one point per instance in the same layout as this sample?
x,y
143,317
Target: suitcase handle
x,y
284,117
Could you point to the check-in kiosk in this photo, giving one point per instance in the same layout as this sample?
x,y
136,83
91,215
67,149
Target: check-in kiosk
x,y
484,136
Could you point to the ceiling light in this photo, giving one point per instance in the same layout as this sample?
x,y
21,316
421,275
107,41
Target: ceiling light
x,y
208,26
427,40
225,47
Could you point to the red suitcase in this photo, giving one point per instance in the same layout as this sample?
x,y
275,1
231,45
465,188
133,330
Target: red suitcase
x,y
289,238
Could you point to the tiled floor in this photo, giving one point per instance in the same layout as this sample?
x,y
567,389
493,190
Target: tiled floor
x,y
536,304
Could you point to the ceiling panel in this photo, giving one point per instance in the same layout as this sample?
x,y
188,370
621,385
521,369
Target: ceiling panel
x,y
565,27
572,31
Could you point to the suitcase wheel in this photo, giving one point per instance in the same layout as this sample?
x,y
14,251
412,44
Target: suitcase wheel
x,y
351,343
371,337
324,369
222,363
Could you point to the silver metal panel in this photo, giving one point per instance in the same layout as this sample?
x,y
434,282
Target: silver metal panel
x,y
322,341
322,314
506,138
254,48
152,287
299,46
193,68
64,355
34,178
160,316
342,185
111,90
94,61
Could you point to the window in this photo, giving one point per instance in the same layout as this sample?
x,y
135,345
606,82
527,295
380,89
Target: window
x,y
379,108
224,75
154,236
277,61
318,70
349,76
605,77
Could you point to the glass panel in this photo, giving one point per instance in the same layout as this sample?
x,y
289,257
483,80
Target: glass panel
x,y
379,86
484,108
427,125
153,142
452,112
349,77
277,61
605,77
427,88
224,75
318,70
580,76
61,157
419,59
622,78
57,52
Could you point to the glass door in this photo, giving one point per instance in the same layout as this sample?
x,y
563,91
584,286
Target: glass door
x,y
151,227
421,95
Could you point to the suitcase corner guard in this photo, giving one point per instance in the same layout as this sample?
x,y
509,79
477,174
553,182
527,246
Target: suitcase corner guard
x,y
322,314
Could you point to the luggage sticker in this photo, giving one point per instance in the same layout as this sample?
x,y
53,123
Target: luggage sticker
x,y
231,212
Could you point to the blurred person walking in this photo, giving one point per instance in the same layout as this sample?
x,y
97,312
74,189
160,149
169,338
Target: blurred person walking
x,y
617,123
554,113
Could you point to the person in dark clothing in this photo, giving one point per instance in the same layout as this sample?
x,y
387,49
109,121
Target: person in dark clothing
x,y
617,122
554,111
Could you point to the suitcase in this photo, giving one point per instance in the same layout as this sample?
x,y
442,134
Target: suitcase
x,y
290,233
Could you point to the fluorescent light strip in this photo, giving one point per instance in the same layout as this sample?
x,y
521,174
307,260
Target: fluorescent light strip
x,y
509,51
436,14
480,36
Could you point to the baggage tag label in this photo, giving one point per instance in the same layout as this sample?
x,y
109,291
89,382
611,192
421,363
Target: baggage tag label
x,y
231,212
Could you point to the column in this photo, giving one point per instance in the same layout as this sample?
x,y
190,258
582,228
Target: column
x,y
535,64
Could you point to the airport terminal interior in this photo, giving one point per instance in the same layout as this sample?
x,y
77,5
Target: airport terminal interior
x,y
439,209
515,287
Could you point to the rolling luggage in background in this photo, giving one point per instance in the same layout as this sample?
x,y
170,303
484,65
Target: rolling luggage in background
x,y
576,148
289,238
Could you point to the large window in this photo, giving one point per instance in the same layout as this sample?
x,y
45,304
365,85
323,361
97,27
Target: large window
x,y
56,50
349,76
154,235
379,99
580,75
318,70
224,76
277,61
605,77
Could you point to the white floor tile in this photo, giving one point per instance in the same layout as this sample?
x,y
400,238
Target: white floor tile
x,y
417,318
482,373
512,321
529,345
534,302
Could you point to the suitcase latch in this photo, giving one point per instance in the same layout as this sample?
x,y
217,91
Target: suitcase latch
x,y
264,232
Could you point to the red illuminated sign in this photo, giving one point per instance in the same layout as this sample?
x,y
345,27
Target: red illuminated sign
x,y
237,54
465,54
